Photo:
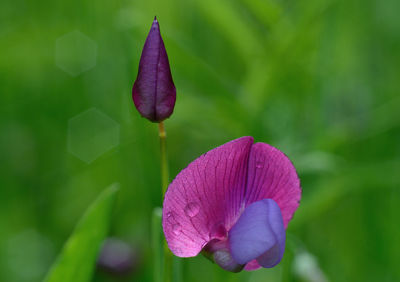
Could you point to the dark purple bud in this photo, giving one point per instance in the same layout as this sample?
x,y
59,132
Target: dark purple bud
x,y
154,92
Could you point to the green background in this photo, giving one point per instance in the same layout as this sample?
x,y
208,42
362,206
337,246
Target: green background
x,y
318,79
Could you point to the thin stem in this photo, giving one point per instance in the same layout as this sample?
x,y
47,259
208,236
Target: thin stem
x,y
164,185
156,244
167,264
164,159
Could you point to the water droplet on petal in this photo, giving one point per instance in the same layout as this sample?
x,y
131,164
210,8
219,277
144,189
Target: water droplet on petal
x,y
170,216
192,209
177,229
259,164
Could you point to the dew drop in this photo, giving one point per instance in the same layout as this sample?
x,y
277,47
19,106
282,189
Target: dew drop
x,y
259,164
192,209
170,216
177,229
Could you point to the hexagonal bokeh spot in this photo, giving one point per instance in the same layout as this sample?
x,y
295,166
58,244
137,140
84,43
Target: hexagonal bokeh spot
x,y
29,254
91,134
75,53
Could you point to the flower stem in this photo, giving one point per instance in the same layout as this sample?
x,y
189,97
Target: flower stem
x,y
157,247
164,160
164,185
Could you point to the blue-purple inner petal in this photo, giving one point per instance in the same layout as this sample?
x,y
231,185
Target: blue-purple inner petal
x,y
258,234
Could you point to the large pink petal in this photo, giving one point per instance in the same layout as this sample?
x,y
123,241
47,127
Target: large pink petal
x,y
205,199
272,175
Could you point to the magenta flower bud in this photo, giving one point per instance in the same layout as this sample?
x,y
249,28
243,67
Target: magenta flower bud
x,y
154,92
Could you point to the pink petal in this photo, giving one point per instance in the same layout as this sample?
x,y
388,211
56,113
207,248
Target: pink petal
x,y
252,265
206,198
272,175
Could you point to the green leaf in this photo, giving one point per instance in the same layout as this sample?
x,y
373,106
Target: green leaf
x,y
78,257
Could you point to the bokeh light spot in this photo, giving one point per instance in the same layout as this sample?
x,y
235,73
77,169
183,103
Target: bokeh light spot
x,y
91,134
75,53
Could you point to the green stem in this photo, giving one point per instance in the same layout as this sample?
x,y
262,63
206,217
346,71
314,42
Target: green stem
x,y
167,263
156,244
164,185
164,159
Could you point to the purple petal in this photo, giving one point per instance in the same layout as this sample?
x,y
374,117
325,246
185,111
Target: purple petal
x,y
154,92
272,175
258,234
205,199
274,255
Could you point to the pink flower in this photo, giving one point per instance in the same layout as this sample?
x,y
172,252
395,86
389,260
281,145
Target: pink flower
x,y
233,204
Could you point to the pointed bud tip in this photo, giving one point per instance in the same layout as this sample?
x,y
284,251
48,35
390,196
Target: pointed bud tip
x,y
154,92
155,26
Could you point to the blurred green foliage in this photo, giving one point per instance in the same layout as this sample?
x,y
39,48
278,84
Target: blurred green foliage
x,y
79,255
319,79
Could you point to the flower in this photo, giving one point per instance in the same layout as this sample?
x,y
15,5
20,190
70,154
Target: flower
x,y
154,92
233,205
